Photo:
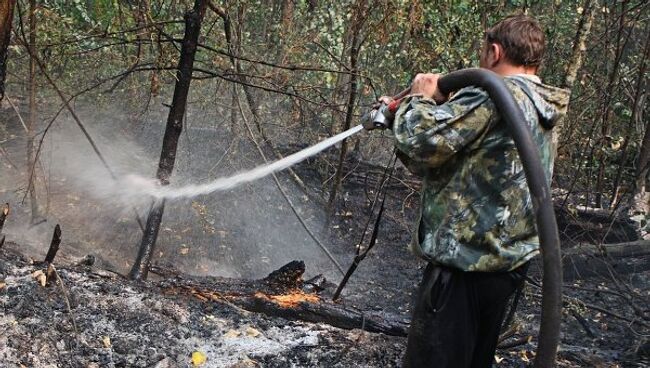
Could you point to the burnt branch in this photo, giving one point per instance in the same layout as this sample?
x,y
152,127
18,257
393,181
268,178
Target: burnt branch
x,y
54,245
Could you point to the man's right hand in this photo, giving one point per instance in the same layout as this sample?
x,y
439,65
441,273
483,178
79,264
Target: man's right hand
x,y
426,84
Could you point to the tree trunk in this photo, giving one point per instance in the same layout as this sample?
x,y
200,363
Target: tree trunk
x,y
579,43
641,199
6,17
173,130
31,120
286,28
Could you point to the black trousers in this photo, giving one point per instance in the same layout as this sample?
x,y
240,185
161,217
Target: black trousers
x,y
457,317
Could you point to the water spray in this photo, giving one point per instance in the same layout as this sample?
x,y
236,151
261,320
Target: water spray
x,y
138,185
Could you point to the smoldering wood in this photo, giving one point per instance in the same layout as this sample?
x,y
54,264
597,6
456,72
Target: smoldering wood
x,y
54,245
283,294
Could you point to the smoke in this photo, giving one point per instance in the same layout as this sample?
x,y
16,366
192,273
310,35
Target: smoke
x,y
246,231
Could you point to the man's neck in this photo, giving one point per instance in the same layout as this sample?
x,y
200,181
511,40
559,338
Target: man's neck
x,y
505,69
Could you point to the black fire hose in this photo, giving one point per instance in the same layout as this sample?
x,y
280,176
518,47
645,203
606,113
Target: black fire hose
x,y
549,330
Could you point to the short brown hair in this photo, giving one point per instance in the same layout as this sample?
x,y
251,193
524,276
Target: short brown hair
x,y
521,37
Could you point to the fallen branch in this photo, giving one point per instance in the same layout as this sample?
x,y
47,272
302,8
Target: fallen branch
x,y
599,260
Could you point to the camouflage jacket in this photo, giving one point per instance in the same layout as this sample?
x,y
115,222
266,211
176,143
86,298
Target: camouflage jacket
x,y
476,212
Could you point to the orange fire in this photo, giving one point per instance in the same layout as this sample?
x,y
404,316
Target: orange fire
x,y
290,300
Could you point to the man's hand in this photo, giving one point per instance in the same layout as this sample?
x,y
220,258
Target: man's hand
x,y
426,84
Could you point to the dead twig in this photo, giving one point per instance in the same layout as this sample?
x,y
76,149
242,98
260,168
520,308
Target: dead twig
x,y
568,300
217,297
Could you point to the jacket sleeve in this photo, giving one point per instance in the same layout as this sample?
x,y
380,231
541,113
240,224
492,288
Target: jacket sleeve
x,y
428,135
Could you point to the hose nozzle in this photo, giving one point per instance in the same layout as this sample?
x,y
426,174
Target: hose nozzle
x,y
379,118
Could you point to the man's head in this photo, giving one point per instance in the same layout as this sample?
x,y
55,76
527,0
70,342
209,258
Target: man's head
x,y
514,45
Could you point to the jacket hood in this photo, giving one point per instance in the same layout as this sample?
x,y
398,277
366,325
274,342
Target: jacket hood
x,y
551,102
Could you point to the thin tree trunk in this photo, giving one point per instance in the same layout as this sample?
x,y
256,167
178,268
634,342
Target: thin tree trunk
x,y
636,113
31,120
6,18
173,130
358,20
609,92
352,96
641,199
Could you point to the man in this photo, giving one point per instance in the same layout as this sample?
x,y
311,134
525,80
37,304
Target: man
x,y
477,227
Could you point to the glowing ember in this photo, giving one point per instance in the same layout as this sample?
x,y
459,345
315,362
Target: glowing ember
x,y
290,300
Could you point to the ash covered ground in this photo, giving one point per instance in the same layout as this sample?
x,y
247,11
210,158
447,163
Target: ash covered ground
x,y
93,318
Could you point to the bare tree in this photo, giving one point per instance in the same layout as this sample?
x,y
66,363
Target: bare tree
x,y
173,129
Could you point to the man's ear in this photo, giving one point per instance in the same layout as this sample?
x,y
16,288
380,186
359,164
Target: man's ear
x,y
495,53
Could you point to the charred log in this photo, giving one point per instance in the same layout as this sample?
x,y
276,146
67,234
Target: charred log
x,y
594,226
272,297
322,311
